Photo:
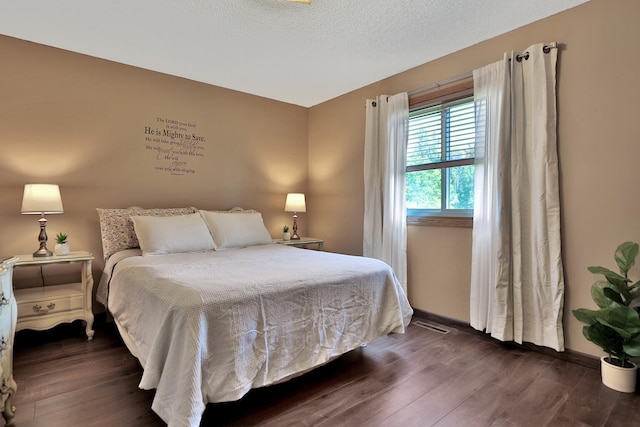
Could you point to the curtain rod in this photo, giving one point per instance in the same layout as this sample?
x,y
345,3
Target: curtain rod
x,y
439,83
546,49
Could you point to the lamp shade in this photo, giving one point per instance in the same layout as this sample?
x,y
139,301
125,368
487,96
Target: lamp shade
x,y
295,203
41,199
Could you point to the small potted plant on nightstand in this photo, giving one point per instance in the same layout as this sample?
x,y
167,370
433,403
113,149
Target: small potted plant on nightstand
x,y
286,236
615,325
62,247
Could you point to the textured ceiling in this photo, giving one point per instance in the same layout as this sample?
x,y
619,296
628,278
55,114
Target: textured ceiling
x,y
293,52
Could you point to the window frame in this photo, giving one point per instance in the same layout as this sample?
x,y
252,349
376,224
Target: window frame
x,y
425,99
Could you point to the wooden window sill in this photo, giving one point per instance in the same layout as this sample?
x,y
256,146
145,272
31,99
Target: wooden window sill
x,y
441,221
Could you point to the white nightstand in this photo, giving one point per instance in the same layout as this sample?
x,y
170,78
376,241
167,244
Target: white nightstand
x,y
8,311
44,307
303,242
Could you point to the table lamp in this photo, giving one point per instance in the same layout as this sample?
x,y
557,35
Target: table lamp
x,y
42,199
295,203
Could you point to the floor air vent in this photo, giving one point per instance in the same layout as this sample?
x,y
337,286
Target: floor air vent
x,y
436,328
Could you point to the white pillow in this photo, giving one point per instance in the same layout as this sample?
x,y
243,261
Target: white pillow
x,y
236,229
172,234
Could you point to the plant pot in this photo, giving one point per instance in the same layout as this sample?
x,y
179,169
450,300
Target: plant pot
x,y
286,236
617,377
61,249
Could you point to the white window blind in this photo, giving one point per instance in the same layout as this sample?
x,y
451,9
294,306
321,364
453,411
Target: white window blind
x,y
440,158
441,136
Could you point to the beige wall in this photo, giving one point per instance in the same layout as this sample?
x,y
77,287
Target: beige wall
x,y
79,122
599,128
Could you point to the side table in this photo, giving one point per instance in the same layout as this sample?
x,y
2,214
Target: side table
x,y
44,307
303,242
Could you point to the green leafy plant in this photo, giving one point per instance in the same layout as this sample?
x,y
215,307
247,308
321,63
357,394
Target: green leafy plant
x,y
285,229
615,326
61,238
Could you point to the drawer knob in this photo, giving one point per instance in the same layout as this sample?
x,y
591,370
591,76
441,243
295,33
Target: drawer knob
x,y
3,345
3,300
38,308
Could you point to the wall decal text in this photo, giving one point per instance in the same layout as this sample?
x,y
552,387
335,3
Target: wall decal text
x,y
176,145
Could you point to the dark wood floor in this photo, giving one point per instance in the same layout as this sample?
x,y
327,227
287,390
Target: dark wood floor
x,y
421,378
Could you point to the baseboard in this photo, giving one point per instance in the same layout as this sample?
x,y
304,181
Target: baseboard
x,y
567,355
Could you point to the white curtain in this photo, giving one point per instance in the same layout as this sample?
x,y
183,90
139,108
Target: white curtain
x,y
517,279
385,158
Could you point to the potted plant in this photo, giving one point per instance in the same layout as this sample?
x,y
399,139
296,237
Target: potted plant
x,y
62,247
615,325
285,233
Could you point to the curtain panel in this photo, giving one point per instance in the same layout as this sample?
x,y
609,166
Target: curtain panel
x,y
385,153
517,279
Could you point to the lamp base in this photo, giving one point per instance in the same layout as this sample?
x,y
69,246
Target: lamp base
x,y
42,252
42,238
295,236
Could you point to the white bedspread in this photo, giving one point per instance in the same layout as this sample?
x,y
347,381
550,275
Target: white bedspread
x,y
208,327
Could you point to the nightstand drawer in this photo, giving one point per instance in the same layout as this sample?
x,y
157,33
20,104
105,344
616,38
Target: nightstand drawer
x,y
49,306
48,300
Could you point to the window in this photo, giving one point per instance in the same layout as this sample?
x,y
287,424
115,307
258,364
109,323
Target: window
x,y
440,160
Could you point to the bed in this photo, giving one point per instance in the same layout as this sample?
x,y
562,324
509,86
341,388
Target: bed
x,y
212,308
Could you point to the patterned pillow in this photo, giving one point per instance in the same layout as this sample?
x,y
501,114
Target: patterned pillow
x,y
116,226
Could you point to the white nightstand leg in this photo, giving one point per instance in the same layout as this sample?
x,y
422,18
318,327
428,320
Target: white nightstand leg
x,y
88,329
9,409
87,277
